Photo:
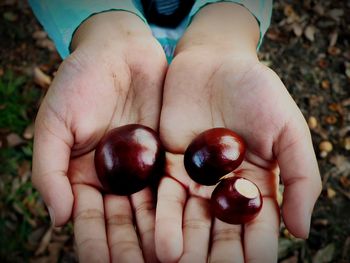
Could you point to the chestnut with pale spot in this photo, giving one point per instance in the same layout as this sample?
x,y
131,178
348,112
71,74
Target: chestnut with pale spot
x,y
213,154
129,158
236,200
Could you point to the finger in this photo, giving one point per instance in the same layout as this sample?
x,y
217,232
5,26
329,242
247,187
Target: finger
x,y
300,176
196,228
261,234
50,163
122,238
226,243
169,211
89,225
144,209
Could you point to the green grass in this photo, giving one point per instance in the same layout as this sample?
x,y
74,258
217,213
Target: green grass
x,y
16,102
18,199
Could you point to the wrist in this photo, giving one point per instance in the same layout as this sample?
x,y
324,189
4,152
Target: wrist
x,y
115,29
223,27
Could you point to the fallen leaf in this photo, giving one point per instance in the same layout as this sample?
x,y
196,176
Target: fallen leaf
x,y
292,259
333,51
290,14
325,254
297,29
44,243
341,163
347,69
23,170
346,249
333,37
312,122
346,143
344,181
331,193
40,78
39,34
54,251
319,9
321,222
309,32
325,84
10,16
322,63
28,133
286,246
14,140
46,43
336,14
331,119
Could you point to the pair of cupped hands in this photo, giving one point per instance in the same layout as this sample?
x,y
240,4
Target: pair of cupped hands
x,y
117,74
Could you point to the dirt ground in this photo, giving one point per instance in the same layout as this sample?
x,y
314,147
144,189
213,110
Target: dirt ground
x,y
308,45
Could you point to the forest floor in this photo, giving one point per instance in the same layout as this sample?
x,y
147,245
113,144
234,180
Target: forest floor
x,y
308,45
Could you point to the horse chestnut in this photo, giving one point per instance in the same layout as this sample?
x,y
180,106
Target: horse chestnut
x,y
213,154
236,200
128,158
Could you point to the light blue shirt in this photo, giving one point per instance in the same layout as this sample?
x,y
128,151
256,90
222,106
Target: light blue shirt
x,y
61,18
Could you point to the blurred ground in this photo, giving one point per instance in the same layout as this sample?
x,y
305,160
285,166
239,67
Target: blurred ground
x,y
308,45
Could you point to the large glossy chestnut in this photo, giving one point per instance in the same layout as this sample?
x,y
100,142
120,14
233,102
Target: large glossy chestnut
x,y
213,154
236,200
128,158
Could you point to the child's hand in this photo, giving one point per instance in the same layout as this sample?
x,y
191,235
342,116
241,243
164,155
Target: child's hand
x,y
216,86
113,77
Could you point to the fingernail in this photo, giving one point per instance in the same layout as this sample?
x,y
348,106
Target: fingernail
x,y
52,215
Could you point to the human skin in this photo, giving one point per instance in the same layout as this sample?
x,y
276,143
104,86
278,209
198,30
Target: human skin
x,y
216,80
113,77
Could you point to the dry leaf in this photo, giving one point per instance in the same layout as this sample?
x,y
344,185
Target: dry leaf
x,y
344,181
54,251
319,9
333,51
297,29
14,140
44,243
310,32
321,222
341,162
331,193
325,84
336,14
347,69
28,133
23,169
346,248
325,254
46,43
333,37
331,119
290,14
346,143
322,63
39,34
41,79
293,259
312,122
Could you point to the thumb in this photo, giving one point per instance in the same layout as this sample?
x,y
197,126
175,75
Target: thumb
x,y
50,163
300,175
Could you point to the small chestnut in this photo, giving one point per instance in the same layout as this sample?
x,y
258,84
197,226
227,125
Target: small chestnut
x,y
128,158
213,154
236,200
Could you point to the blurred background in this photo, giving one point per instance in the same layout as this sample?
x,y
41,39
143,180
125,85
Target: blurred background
x,y
308,45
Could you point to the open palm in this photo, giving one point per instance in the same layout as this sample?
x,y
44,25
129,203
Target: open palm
x,y
93,92
205,89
